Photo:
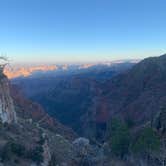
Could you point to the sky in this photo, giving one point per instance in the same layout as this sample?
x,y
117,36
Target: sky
x,y
82,30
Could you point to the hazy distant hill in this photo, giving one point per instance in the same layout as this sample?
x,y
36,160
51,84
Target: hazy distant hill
x,y
33,70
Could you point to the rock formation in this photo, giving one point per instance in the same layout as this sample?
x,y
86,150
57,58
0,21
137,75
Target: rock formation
x,y
7,111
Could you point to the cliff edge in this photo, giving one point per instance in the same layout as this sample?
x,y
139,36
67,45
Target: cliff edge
x,y
7,110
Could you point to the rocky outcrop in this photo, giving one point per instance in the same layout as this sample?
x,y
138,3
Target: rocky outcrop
x,y
87,154
46,154
159,121
7,110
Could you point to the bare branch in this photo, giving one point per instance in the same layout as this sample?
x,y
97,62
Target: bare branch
x,y
3,62
4,58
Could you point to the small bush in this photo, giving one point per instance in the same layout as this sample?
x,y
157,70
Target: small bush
x,y
130,123
119,138
146,142
41,141
18,149
6,152
53,160
12,148
36,154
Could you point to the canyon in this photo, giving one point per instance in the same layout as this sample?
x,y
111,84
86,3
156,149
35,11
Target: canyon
x,y
93,116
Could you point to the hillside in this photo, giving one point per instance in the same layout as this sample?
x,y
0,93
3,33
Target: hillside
x,y
139,93
136,96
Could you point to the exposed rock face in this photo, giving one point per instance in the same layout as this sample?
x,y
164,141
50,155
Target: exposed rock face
x,y
46,154
160,121
7,111
81,145
86,154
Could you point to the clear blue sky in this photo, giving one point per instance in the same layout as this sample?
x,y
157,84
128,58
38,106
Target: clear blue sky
x,y
82,30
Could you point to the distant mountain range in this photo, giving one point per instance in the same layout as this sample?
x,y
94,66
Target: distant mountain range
x,y
25,70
